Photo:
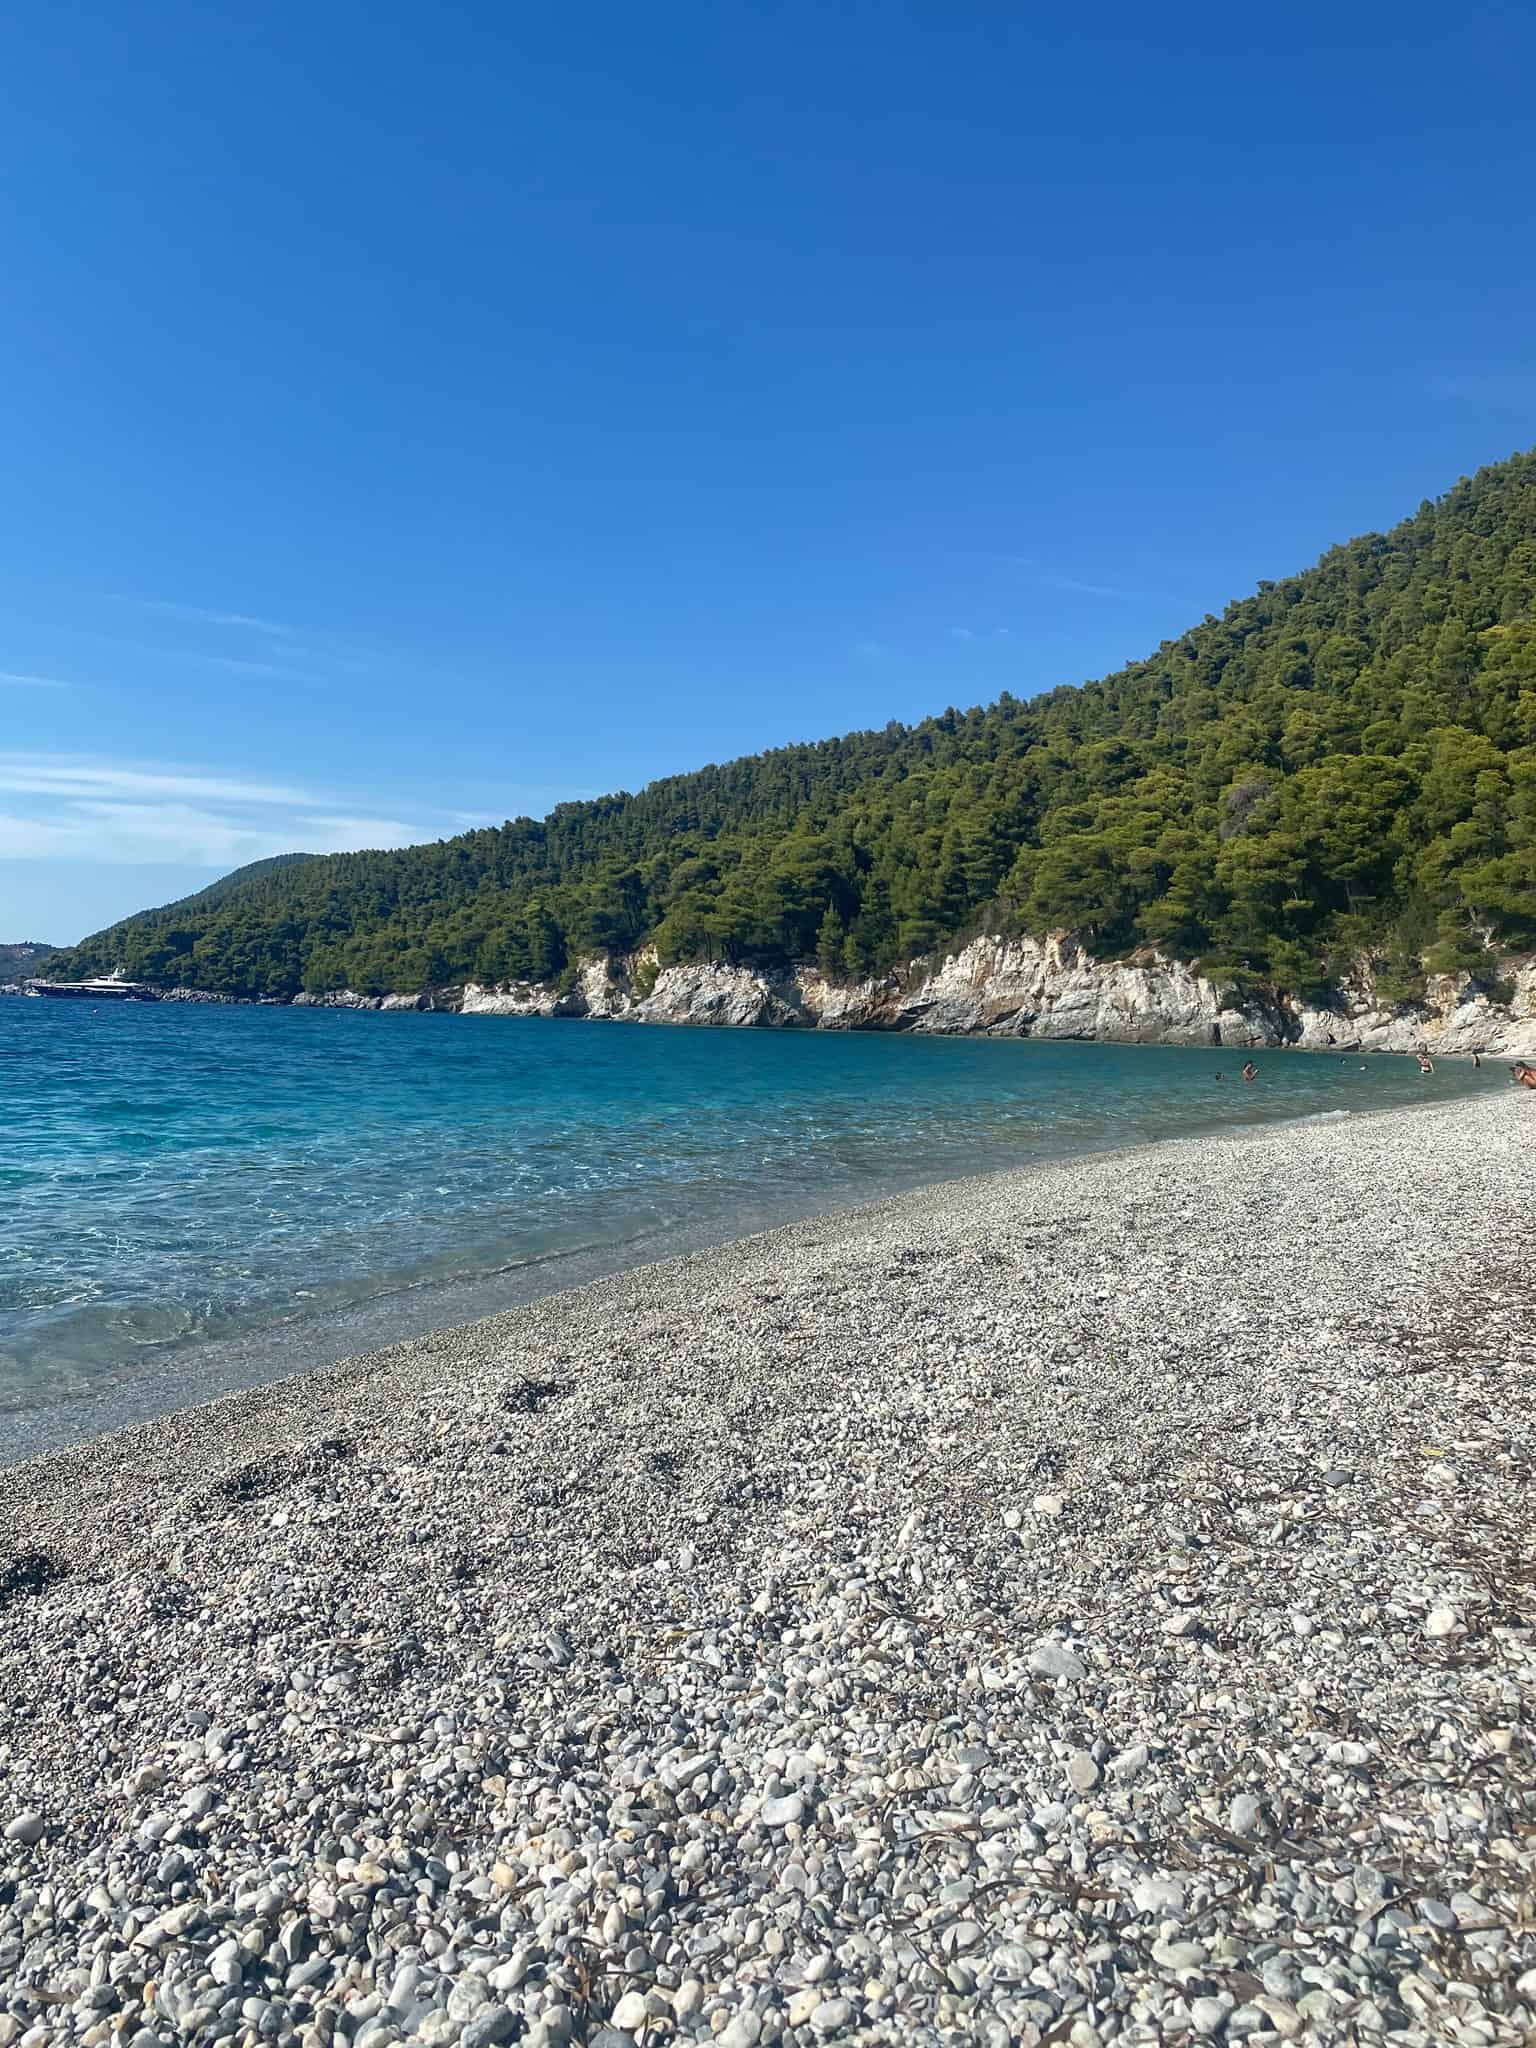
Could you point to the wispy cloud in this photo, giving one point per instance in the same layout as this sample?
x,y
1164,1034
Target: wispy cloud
x,y
19,682
1093,589
129,835
80,776
1054,580
343,834
871,650
200,615
126,813
282,670
1049,578
238,665
968,635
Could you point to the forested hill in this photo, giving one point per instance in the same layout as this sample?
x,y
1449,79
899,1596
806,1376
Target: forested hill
x,y
1344,762
20,959
237,878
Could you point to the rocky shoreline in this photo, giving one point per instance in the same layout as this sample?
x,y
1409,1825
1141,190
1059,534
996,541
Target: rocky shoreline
x,y
1025,988
1084,1605
1031,988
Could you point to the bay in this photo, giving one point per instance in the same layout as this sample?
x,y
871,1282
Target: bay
x,y
293,1184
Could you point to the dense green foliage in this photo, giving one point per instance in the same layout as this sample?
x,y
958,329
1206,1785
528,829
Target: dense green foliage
x,y
1345,762
253,871
23,958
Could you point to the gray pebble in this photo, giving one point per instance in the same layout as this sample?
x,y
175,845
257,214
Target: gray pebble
x,y
492,2023
832,2015
1082,1771
779,1813
1053,1659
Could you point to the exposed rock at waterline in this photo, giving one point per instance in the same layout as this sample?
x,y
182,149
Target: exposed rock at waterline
x,y
1032,988
1045,988
349,999
338,999
1018,988
1453,1018
521,999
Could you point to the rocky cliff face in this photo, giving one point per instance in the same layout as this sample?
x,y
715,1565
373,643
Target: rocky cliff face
x,y
1003,988
349,999
1029,988
1045,988
1452,1019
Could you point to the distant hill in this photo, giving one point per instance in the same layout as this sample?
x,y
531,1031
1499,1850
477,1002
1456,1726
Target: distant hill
x,y
214,894
23,958
1343,762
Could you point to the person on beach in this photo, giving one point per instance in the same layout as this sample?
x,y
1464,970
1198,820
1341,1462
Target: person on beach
x,y
1250,1071
1523,1075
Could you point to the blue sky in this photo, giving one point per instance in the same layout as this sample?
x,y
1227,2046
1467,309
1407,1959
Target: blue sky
x,y
415,416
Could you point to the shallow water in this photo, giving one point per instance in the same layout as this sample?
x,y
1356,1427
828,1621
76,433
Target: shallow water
x,y
175,1174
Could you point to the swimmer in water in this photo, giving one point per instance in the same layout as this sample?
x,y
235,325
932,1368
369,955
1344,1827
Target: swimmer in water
x,y
1523,1075
1426,1064
1250,1071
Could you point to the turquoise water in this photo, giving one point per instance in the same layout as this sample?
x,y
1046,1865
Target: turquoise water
x,y
171,1175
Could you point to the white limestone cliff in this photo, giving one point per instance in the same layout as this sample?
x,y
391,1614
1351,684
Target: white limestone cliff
x,y
1030,988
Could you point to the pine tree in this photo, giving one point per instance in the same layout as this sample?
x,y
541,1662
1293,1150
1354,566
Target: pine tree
x,y
831,940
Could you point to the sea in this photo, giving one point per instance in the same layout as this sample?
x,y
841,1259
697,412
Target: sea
x,y
200,1197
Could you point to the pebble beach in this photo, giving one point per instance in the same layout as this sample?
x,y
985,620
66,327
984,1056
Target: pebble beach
x,y
1084,1605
